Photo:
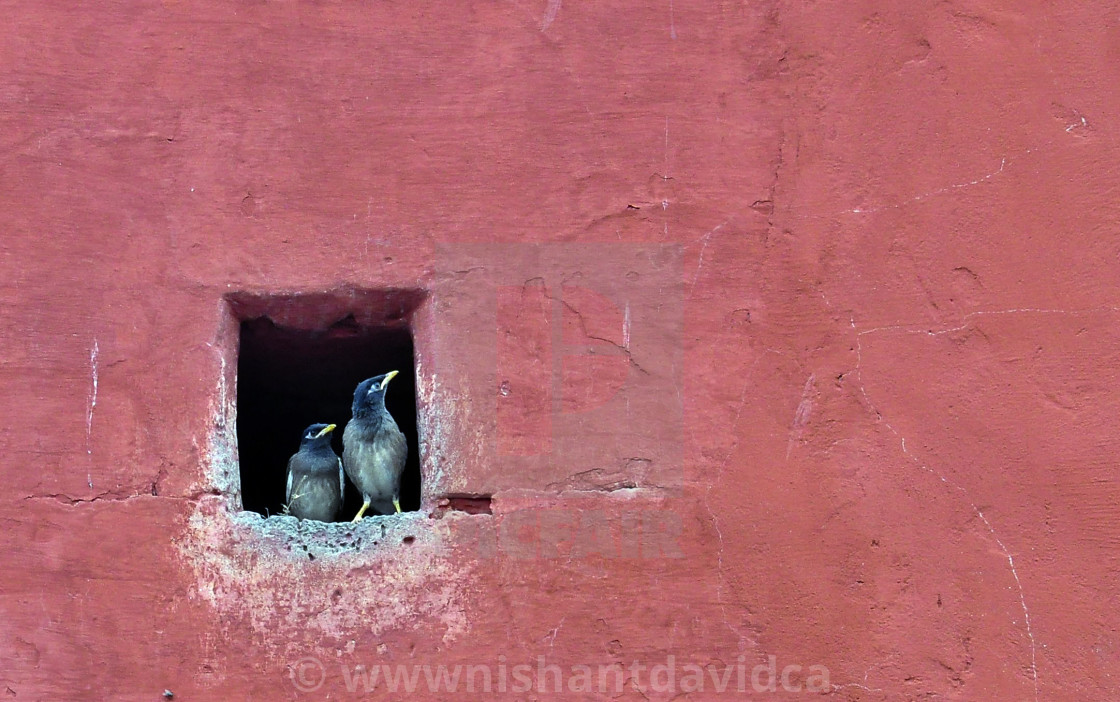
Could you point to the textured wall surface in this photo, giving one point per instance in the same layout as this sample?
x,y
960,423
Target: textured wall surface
x,y
779,333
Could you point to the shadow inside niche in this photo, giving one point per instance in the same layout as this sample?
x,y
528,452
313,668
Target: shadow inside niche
x,y
288,379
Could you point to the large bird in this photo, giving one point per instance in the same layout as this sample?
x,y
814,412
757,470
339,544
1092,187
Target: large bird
x,y
373,448
316,482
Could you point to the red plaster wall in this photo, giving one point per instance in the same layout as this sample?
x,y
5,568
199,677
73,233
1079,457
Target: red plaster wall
x,y
870,378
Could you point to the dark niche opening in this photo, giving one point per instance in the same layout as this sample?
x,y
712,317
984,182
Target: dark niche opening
x,y
300,358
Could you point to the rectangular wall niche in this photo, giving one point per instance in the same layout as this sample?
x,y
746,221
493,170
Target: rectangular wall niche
x,y
299,359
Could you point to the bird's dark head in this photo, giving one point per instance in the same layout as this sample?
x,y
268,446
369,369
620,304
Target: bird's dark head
x,y
317,435
369,396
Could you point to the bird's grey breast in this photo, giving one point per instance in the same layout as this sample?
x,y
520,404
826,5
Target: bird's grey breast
x,y
312,493
374,460
315,497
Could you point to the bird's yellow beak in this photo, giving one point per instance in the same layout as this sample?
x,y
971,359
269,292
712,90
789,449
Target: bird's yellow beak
x,y
388,376
326,430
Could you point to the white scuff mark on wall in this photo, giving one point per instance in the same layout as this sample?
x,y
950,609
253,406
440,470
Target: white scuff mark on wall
x,y
90,406
665,176
550,14
552,634
1082,124
223,407
703,248
626,327
801,416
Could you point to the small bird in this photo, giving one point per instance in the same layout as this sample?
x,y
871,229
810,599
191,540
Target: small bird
x,y
373,448
316,482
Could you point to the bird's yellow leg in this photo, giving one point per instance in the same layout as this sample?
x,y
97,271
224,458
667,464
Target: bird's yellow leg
x,y
397,504
358,517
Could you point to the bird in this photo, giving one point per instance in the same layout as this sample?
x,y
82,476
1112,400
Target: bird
x,y
316,482
373,448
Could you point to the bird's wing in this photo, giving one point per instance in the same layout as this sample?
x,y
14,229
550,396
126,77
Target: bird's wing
x,y
341,479
288,490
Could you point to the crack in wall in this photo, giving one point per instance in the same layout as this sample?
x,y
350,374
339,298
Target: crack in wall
x,y
624,347
858,370
70,500
1003,162
706,239
720,576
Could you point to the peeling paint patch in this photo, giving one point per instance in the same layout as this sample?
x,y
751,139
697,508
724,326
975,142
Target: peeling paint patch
x,y
287,578
439,412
